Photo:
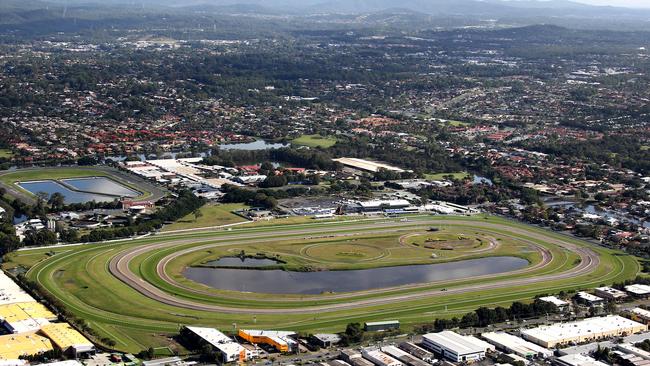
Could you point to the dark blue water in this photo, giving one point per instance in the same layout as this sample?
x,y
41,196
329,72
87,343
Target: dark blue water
x,y
255,145
285,282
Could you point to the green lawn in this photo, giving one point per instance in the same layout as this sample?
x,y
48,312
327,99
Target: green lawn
x,y
441,176
6,153
315,141
213,215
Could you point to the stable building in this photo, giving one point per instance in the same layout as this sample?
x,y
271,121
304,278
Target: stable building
x,y
509,343
227,349
280,340
455,347
381,326
587,330
68,340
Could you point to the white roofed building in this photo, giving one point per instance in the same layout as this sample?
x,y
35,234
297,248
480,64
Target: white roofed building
x,y
228,349
456,347
511,344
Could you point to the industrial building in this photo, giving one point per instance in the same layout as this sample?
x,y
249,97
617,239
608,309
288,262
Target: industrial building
x,y
417,352
610,293
68,339
636,290
10,292
509,343
228,350
334,363
381,326
587,330
640,315
354,358
280,340
577,360
559,303
588,299
403,357
25,317
455,347
325,340
366,165
12,346
379,358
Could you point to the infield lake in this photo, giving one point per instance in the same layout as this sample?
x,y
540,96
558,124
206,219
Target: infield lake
x,y
286,282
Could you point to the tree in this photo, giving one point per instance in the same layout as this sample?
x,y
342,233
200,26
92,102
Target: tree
x,y
353,334
197,214
56,201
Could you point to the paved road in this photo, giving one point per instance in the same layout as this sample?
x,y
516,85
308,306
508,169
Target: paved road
x,y
119,267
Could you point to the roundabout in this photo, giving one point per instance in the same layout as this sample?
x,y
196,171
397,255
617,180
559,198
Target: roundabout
x,y
137,292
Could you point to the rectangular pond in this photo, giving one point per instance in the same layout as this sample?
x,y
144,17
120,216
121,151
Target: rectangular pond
x,y
101,185
286,282
50,187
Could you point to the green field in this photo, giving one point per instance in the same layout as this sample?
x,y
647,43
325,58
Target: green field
x,y
441,176
6,154
213,215
315,141
79,276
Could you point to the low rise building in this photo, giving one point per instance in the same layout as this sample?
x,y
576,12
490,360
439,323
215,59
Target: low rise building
x,y
610,293
68,339
587,330
381,326
10,292
509,343
455,347
559,303
379,358
640,315
577,360
403,357
638,290
228,349
280,340
589,299
13,346
25,316
325,340
417,352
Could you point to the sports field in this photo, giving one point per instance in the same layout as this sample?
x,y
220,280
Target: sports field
x,y
315,141
6,154
440,176
210,216
134,292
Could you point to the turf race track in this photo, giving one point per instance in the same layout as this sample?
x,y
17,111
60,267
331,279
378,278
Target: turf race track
x,y
134,292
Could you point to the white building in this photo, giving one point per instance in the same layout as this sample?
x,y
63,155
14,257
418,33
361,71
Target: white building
x,y
589,299
610,293
456,347
379,358
638,290
587,330
11,293
229,350
403,357
578,360
559,303
509,343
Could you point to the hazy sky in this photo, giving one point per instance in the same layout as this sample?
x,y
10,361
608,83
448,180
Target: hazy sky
x,y
632,3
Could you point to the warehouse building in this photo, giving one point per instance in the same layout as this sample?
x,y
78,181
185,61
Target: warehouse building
x,y
325,340
381,326
354,358
366,165
417,352
12,346
455,347
640,291
403,357
335,363
228,350
588,330
577,360
609,293
68,340
25,317
280,340
10,292
509,343
379,358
